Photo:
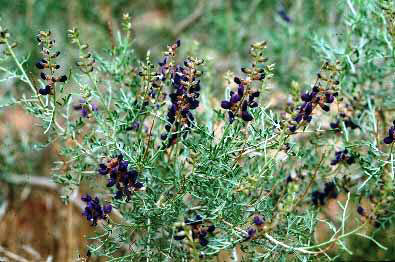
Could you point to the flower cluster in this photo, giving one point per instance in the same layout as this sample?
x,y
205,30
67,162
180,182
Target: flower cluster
x,y
323,94
240,101
94,211
166,66
367,215
391,134
125,180
348,122
47,63
258,222
86,62
343,156
4,35
237,103
85,108
345,116
184,99
4,39
151,91
318,197
197,229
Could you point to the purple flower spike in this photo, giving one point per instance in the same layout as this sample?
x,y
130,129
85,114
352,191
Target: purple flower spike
x,y
94,211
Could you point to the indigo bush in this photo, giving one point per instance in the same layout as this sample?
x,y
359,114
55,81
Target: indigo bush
x,y
181,176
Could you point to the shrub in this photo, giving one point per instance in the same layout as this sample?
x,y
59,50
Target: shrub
x,y
173,175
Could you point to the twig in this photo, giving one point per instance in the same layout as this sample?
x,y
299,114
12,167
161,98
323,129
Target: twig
x,y
275,241
15,257
312,180
47,183
184,24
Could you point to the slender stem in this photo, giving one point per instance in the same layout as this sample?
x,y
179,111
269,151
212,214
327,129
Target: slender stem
x,y
306,249
27,79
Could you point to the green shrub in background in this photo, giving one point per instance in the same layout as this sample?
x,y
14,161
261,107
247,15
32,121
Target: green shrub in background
x,y
179,174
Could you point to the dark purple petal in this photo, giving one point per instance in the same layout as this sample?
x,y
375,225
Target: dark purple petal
x,y
163,136
123,166
77,107
329,98
44,91
284,16
350,160
211,229
308,108
307,118
329,187
298,118
240,90
94,107
63,78
361,210
255,94
292,128
111,182
306,97
86,198
391,131
388,140
258,220
107,209
246,116
84,112
244,106
334,125
118,195
203,241
250,233
324,107
225,104
176,237
253,104
103,170
138,185
231,116
234,99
